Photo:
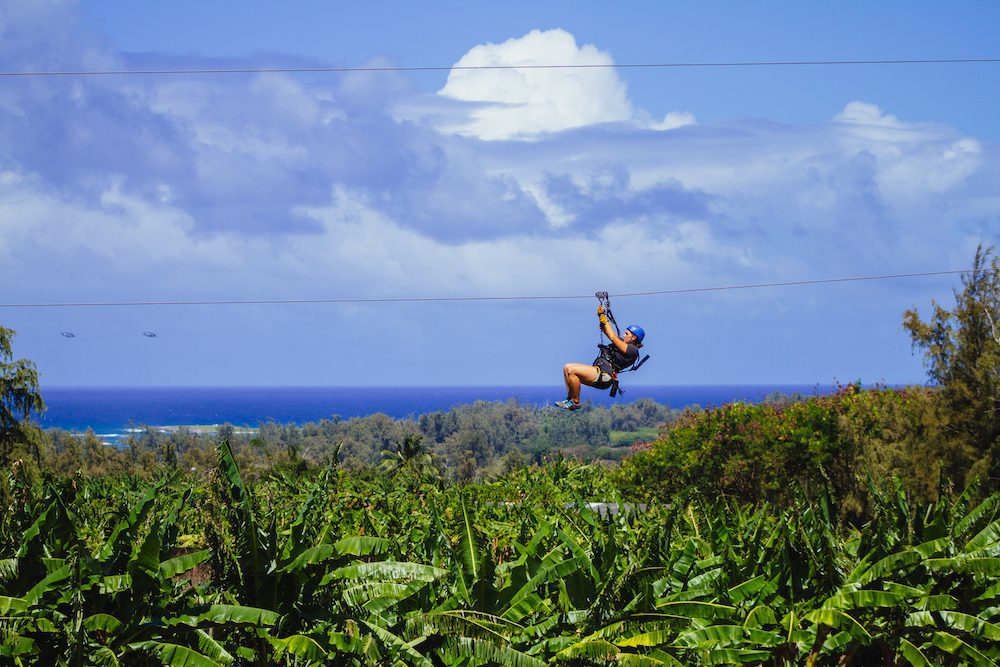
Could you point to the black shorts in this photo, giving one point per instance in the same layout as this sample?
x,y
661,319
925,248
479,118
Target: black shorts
x,y
605,374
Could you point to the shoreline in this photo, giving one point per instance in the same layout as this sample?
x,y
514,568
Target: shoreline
x,y
114,438
114,414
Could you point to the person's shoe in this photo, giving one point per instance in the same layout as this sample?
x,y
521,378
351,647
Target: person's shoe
x,y
567,405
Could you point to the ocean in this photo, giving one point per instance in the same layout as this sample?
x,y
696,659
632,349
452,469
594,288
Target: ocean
x,y
109,411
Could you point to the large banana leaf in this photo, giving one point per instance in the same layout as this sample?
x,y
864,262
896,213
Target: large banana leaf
x,y
222,614
952,644
913,654
363,545
212,648
102,622
387,570
39,527
175,655
984,566
299,646
146,562
397,645
462,623
991,593
15,646
760,616
862,599
936,602
359,545
551,569
747,589
120,542
9,604
377,596
978,628
231,613
837,619
660,637
589,650
8,569
104,657
250,542
728,656
901,561
728,635
987,509
484,652
311,556
47,584
703,610
477,573
181,564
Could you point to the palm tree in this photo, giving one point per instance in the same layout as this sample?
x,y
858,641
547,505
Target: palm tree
x,y
411,456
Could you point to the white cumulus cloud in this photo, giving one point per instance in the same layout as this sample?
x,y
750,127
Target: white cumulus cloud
x,y
913,160
525,103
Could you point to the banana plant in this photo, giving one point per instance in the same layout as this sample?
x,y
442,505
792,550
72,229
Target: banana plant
x,y
355,569
330,594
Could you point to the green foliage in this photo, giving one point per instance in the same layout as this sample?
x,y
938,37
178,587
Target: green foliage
x,y
962,353
777,450
470,442
334,567
19,397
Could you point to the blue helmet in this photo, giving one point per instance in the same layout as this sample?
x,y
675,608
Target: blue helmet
x,y
637,331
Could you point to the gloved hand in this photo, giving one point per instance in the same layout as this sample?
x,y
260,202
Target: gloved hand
x,y
601,316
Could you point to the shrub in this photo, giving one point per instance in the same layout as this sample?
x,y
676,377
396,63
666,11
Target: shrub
x,y
771,452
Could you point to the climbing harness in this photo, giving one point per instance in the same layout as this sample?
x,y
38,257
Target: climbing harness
x,y
605,359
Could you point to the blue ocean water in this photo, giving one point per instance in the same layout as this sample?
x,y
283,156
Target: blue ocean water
x,y
111,410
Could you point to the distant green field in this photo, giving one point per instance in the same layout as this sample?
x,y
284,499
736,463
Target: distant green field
x,y
623,438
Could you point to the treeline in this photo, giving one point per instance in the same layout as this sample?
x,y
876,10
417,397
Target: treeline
x,y
474,441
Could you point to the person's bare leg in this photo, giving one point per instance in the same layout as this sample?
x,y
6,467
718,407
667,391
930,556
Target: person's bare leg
x,y
576,374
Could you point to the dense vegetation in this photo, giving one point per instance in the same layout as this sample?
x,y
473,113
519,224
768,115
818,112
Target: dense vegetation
x,y
770,452
860,528
919,435
351,569
475,441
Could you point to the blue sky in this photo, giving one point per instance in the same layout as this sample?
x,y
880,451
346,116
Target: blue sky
x,y
487,183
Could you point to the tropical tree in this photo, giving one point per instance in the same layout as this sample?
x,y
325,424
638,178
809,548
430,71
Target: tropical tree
x,y
411,457
962,353
19,397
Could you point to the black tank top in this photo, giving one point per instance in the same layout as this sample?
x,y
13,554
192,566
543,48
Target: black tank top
x,y
617,359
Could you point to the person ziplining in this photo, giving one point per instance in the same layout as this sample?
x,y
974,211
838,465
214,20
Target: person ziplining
x,y
620,355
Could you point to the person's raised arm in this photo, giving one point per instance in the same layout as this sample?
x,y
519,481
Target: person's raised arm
x,y
609,331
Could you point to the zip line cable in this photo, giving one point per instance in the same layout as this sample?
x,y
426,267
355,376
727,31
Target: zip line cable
x,y
440,68
424,299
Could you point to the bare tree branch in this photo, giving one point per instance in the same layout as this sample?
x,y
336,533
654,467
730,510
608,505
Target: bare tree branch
x,y
993,326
